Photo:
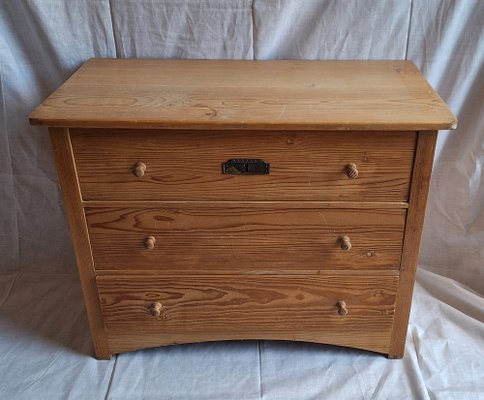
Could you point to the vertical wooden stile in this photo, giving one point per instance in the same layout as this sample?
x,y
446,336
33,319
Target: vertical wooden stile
x,y
66,168
422,170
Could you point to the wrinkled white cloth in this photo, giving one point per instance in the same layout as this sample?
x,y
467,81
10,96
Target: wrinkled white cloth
x,y
44,342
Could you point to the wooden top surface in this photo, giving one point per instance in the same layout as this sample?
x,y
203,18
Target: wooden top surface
x,y
219,94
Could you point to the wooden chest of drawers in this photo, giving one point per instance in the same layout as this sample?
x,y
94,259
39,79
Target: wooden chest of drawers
x,y
217,200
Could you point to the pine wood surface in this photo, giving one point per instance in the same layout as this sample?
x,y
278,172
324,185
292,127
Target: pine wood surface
x,y
375,341
227,307
170,250
209,238
290,204
422,172
223,94
186,165
75,215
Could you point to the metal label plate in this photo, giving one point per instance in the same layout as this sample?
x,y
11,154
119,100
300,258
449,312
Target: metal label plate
x,y
244,166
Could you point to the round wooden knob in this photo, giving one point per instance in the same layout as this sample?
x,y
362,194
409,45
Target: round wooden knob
x,y
345,244
139,169
155,309
342,308
149,243
351,171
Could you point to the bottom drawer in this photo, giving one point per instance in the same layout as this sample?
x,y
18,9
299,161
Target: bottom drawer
x,y
347,310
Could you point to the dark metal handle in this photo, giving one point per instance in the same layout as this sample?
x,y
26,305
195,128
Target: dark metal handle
x,y
245,167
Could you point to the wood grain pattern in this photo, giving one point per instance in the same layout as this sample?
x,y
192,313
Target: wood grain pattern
x,y
209,238
170,250
229,204
120,342
223,94
186,165
322,272
77,222
422,172
235,307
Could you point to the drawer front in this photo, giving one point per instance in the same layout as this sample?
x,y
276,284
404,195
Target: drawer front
x,y
353,311
203,238
187,165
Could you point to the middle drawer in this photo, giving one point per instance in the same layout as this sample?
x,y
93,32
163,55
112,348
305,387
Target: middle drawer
x,y
237,238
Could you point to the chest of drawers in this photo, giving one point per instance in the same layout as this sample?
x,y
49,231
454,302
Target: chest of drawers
x,y
219,200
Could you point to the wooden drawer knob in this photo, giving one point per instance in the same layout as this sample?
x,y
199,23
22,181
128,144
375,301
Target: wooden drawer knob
x,y
149,243
139,169
345,244
351,171
342,308
155,309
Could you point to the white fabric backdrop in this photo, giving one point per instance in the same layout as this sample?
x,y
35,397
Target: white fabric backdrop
x,y
44,345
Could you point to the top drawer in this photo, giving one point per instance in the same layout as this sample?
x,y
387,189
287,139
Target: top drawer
x,y
187,165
